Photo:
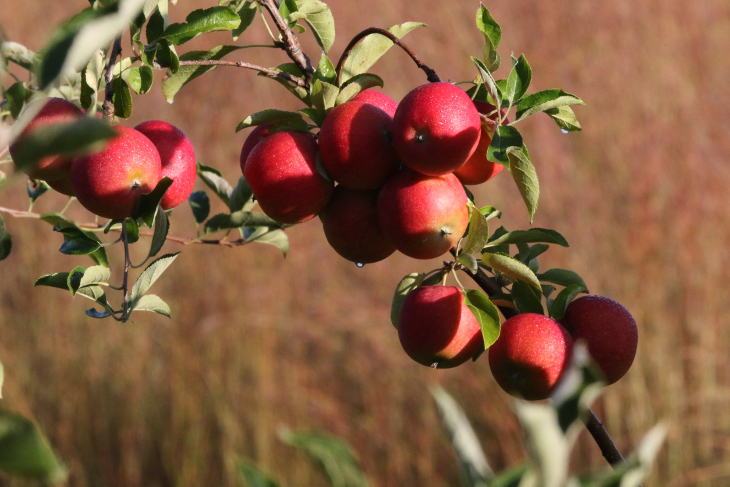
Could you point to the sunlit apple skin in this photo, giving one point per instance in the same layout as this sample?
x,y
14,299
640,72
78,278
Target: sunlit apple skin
x,y
350,223
477,169
62,186
424,216
609,331
530,355
109,183
177,157
436,128
282,172
378,99
56,110
356,145
437,329
259,133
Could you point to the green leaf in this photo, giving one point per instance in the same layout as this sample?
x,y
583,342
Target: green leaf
x,y
149,276
525,176
200,204
548,447
562,277
313,114
371,48
357,84
267,116
246,12
336,458
518,80
97,314
241,197
269,236
563,299
238,219
504,137
469,261
140,79
20,55
155,26
324,96
214,180
325,71
486,314
76,242
94,275
185,74
320,20
122,98
544,100
95,293
511,267
511,477
490,212
469,451
478,233
159,235
291,125
530,236
526,298
132,231
90,80
565,118
167,56
25,452
201,21
37,190
148,203
579,386
405,286
58,280
253,476
492,34
297,91
17,96
152,302
490,84
66,138
73,281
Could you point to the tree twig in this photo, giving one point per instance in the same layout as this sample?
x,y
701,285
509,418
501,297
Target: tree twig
x,y
109,77
430,73
272,73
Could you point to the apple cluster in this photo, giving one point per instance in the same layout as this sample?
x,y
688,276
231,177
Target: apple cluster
x,y
110,181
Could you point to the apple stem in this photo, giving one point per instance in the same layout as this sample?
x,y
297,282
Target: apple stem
x,y
108,105
430,73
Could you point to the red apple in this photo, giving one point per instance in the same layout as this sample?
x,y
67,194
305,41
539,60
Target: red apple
x,y
62,186
424,216
436,128
378,99
477,169
55,110
437,329
257,135
282,172
356,145
177,157
110,182
350,222
609,331
530,355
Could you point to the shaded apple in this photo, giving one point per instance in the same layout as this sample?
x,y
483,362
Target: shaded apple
x,y
282,172
55,110
62,186
378,99
109,182
259,133
477,169
350,223
356,145
530,355
436,128
177,158
609,331
424,216
437,329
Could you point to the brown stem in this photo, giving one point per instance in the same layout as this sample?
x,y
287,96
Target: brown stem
x,y
430,73
125,240
292,46
272,73
109,77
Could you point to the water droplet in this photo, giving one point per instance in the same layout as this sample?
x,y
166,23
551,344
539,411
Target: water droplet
x,y
360,265
564,131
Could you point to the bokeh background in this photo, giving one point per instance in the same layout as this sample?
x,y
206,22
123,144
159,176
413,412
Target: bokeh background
x,y
257,340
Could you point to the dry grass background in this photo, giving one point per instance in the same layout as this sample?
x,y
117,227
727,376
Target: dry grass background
x,y
257,340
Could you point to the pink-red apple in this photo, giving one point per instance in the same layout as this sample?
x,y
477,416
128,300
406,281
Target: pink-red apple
x,y
609,331
259,133
177,157
378,99
350,222
55,110
530,355
437,329
282,172
356,145
477,169
436,128
424,216
109,183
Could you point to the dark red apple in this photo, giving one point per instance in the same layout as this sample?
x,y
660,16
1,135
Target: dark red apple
x,y
177,157
259,133
62,186
437,329
356,145
477,169
55,110
436,128
378,99
350,222
109,183
282,172
530,355
609,331
424,216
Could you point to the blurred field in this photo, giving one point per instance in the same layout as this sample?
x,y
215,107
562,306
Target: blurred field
x,y
257,340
